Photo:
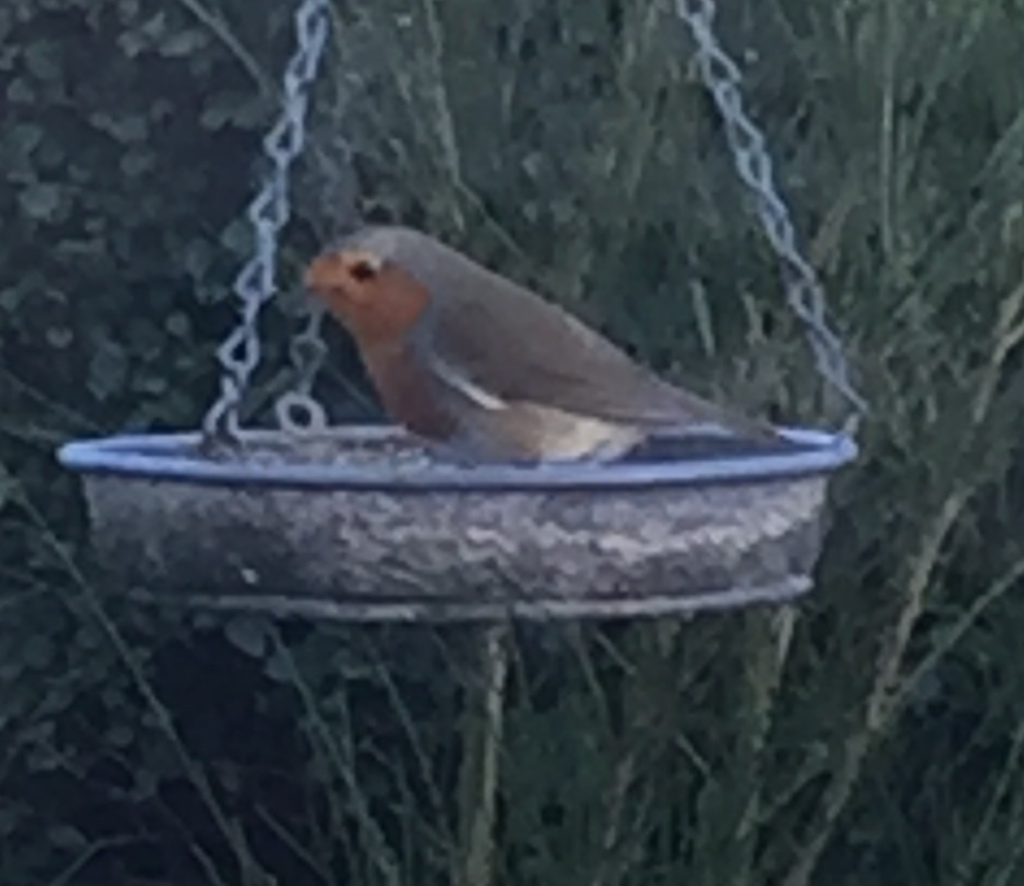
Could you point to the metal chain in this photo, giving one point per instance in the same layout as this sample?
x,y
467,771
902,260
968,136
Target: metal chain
x,y
239,355
297,410
804,292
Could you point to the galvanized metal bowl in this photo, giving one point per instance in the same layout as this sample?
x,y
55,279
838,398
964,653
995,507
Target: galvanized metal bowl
x,y
360,523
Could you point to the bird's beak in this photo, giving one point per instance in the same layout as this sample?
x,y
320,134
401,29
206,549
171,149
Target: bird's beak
x,y
324,272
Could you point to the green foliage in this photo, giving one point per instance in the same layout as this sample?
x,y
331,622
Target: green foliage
x,y
875,737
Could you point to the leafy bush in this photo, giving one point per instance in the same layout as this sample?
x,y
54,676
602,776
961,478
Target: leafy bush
x,y
871,736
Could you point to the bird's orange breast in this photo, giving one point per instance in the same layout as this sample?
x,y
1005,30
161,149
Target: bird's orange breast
x,y
407,391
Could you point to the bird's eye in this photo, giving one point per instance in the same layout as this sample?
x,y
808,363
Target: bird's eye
x,y
363,271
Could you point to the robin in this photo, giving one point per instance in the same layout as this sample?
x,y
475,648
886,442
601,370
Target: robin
x,y
466,358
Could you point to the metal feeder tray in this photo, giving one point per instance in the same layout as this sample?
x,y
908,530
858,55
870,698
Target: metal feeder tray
x,y
359,523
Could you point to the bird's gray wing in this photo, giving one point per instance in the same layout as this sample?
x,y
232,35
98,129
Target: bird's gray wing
x,y
514,346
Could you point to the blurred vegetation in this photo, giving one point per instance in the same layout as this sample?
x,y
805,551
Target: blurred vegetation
x,y
872,736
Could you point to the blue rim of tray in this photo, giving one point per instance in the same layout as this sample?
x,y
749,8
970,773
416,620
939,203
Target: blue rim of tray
x,y
171,457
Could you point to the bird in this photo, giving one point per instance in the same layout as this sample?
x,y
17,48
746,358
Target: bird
x,y
486,370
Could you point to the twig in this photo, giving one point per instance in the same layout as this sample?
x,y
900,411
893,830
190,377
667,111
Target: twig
x,y
478,778
442,108
416,745
218,27
889,691
642,743
642,131
881,699
769,634
289,840
1009,333
1007,782
943,647
232,833
69,416
374,842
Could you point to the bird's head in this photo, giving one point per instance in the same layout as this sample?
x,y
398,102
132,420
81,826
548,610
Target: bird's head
x,y
364,284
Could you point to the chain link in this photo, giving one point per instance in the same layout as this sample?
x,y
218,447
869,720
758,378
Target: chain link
x,y
239,355
297,410
804,292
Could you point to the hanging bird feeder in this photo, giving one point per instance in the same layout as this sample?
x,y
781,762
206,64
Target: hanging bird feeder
x,y
360,523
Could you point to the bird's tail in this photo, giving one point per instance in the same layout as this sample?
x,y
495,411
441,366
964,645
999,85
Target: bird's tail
x,y
710,431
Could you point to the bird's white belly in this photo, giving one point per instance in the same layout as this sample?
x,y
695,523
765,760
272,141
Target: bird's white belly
x,y
563,436
499,429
